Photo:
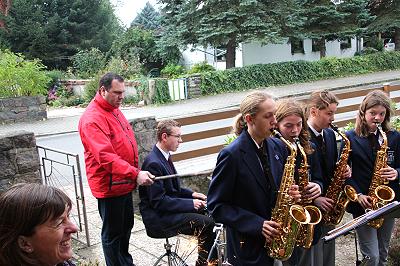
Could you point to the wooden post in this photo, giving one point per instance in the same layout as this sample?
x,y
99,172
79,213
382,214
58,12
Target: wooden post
x,y
386,88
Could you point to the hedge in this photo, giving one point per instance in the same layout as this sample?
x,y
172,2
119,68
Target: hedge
x,y
265,75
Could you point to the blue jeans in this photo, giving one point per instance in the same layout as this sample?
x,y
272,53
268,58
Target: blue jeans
x,y
117,216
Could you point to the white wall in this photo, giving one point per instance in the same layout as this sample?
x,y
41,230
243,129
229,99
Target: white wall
x,y
255,53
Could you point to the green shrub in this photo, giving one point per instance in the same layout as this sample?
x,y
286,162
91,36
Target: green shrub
x,y
127,68
91,88
264,75
172,71
162,92
21,77
88,62
200,68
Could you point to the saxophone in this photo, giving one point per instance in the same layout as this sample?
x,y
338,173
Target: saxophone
x,y
340,194
288,214
306,234
380,193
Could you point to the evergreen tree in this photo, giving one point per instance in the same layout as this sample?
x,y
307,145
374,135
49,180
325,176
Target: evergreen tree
x,y
53,31
387,14
227,23
142,44
327,22
148,18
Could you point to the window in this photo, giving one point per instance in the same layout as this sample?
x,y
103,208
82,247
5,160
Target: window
x,y
220,53
297,45
315,45
345,44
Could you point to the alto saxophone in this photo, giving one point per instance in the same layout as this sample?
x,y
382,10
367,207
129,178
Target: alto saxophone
x,y
337,191
288,214
380,193
306,234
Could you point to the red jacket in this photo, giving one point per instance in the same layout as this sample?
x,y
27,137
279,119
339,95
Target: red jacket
x,y
111,154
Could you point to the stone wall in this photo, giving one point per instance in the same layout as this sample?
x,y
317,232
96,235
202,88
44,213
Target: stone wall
x,y
193,86
19,109
78,86
19,159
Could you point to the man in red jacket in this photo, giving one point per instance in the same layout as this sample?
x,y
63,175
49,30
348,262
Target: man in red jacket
x,y
111,158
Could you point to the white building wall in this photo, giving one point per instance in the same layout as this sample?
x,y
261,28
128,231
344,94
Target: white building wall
x,y
255,53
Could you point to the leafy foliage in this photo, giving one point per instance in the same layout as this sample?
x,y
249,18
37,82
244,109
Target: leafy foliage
x,y
227,23
88,62
148,18
326,22
387,18
201,67
264,75
172,71
53,31
21,77
162,92
142,45
91,88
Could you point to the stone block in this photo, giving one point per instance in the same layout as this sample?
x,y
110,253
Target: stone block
x,y
151,123
23,139
7,165
27,160
6,143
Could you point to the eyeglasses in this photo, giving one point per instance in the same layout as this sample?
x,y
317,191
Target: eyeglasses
x,y
176,136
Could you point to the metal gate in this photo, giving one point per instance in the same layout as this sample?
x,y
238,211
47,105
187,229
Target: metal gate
x,y
62,170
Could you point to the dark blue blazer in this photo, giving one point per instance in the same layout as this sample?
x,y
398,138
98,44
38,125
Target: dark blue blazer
x,y
362,164
239,197
164,203
328,162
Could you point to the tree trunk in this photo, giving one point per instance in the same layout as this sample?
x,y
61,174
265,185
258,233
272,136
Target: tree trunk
x,y
397,39
322,47
231,53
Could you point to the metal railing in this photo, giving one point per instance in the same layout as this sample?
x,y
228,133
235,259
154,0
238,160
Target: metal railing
x,y
57,168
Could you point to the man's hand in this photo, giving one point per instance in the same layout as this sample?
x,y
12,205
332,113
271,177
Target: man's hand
x,y
388,173
324,204
270,230
197,195
365,201
295,193
144,178
313,190
199,204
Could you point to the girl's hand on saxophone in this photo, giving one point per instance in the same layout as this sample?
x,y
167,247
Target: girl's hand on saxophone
x,y
325,204
313,190
295,193
270,230
388,173
365,201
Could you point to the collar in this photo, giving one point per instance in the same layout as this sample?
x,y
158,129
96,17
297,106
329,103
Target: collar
x,y
165,154
103,103
316,133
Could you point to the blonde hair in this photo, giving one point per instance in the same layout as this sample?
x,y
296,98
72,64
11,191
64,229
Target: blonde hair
x,y
289,107
321,100
373,99
249,105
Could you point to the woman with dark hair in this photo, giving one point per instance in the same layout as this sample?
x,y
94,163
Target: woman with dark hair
x,y
35,228
366,141
291,123
244,185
